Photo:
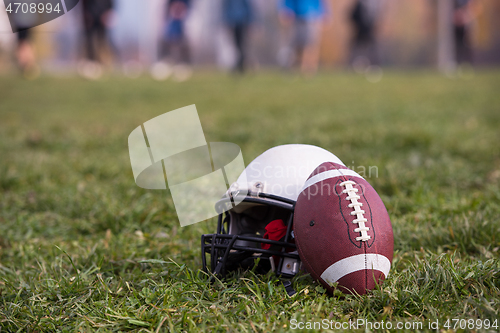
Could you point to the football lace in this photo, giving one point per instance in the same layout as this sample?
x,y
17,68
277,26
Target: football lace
x,y
360,219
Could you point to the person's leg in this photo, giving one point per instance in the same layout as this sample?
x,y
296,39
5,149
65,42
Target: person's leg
x,y
239,39
163,50
300,40
310,56
459,44
89,46
25,54
162,69
286,51
184,51
182,70
467,46
91,68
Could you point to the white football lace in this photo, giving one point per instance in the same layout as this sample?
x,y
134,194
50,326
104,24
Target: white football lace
x,y
360,219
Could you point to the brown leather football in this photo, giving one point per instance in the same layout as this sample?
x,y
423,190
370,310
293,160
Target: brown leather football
x,y
342,230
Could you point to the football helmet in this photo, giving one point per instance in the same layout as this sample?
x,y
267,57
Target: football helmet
x,y
258,232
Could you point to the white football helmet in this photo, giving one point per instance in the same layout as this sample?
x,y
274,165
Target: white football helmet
x,y
259,229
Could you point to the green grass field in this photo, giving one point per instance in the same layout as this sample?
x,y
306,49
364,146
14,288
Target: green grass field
x,y
82,248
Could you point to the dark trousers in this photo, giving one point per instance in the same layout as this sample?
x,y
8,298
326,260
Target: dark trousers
x,y
462,45
95,38
239,32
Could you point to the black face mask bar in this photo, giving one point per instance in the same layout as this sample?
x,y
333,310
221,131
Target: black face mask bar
x,y
226,255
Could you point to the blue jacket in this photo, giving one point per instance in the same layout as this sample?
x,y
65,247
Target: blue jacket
x,y
305,9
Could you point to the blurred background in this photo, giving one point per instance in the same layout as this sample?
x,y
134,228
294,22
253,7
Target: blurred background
x,y
174,38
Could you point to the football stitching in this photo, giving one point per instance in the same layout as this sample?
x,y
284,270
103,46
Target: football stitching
x,y
347,222
372,241
360,219
343,177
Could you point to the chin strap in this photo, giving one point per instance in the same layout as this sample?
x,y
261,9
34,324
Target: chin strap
x,y
288,287
218,269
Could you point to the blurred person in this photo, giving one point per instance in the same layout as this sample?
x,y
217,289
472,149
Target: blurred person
x,y
364,15
462,19
302,20
237,16
25,52
175,55
96,20
25,55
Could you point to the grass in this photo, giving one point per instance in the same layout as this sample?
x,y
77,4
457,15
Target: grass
x,y
82,248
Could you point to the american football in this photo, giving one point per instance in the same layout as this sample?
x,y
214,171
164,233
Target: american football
x,y
347,230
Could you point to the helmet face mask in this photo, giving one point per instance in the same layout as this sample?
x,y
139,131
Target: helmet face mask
x,y
238,243
266,193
